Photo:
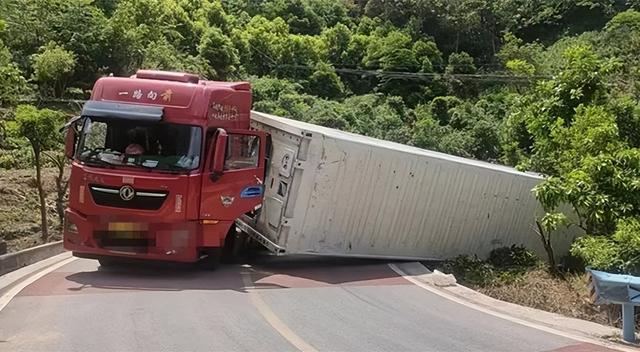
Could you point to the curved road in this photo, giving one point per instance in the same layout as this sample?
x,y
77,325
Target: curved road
x,y
278,304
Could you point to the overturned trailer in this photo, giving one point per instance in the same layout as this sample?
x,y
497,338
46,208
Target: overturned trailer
x,y
329,192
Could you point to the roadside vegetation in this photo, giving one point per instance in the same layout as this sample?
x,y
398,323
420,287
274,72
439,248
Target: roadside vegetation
x,y
549,86
516,275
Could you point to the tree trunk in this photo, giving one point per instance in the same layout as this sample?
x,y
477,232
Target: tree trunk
x,y
61,190
60,161
546,243
43,204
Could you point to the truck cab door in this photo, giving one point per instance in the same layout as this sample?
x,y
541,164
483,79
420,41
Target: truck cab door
x,y
232,183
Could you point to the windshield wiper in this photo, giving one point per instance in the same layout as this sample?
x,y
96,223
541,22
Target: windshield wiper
x,y
99,162
166,168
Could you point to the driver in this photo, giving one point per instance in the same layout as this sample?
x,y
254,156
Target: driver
x,y
133,148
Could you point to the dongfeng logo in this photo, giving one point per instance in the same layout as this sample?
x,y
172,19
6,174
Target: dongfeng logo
x,y
227,200
127,192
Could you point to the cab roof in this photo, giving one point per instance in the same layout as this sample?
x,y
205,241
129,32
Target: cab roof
x,y
184,96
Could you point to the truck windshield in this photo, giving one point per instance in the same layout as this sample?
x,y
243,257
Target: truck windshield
x,y
161,146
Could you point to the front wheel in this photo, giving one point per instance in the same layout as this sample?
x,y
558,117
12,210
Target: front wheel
x,y
235,246
212,259
107,262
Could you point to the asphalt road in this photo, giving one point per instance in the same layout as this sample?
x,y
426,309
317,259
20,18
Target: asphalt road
x,y
278,304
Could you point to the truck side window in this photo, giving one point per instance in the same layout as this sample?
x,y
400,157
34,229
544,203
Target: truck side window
x,y
242,152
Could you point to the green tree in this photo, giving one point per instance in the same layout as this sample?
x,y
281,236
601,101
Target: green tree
x,y
297,55
39,127
460,63
331,12
52,68
427,132
514,48
520,67
336,41
12,83
619,253
384,48
329,114
218,50
427,54
441,108
621,39
76,24
297,14
161,56
266,89
395,11
265,40
325,83
379,117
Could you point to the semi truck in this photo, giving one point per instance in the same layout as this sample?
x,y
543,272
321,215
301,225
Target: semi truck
x,y
167,166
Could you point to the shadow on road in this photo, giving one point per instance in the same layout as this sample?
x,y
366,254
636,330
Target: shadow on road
x,y
262,273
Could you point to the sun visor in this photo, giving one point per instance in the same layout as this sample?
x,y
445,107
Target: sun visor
x,y
122,111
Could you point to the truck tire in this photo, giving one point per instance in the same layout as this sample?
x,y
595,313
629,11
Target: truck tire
x,y
212,260
234,246
107,262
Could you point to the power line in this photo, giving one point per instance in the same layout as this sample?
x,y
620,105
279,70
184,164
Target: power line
x,y
412,75
428,75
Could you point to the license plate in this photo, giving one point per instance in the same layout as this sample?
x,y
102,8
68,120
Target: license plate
x,y
125,235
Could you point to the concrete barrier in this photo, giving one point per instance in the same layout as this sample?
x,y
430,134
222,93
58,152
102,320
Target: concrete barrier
x,y
12,261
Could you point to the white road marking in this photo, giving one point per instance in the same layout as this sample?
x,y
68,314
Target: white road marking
x,y
272,318
505,316
8,296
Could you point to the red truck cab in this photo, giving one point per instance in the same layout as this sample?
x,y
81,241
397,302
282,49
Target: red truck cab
x,y
162,165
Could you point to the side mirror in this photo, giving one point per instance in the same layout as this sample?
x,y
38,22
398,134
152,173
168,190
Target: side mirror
x,y
220,151
71,136
70,143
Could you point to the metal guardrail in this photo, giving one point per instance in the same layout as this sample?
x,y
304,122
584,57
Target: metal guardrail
x,y
607,288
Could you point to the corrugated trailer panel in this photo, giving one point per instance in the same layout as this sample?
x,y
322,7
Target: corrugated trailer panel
x,y
359,196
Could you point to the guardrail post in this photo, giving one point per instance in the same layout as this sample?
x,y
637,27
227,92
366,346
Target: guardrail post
x,y
628,323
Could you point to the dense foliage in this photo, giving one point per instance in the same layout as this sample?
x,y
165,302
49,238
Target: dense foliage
x,y
546,85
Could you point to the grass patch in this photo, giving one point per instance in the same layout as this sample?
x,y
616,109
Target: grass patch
x,y
19,208
505,265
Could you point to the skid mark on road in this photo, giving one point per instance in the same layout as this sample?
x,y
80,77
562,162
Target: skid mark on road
x,y
272,318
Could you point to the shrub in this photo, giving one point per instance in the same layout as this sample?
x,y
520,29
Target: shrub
x,y
15,158
505,265
619,253
471,270
514,256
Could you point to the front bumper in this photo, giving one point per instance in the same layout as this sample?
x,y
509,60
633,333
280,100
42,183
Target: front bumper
x,y
131,237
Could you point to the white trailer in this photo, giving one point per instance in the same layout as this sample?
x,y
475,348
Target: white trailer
x,y
334,193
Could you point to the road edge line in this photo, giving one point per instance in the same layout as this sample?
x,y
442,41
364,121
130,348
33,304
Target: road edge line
x,y
272,319
504,316
6,298
11,278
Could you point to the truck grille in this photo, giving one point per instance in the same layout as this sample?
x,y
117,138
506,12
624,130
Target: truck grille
x,y
142,199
